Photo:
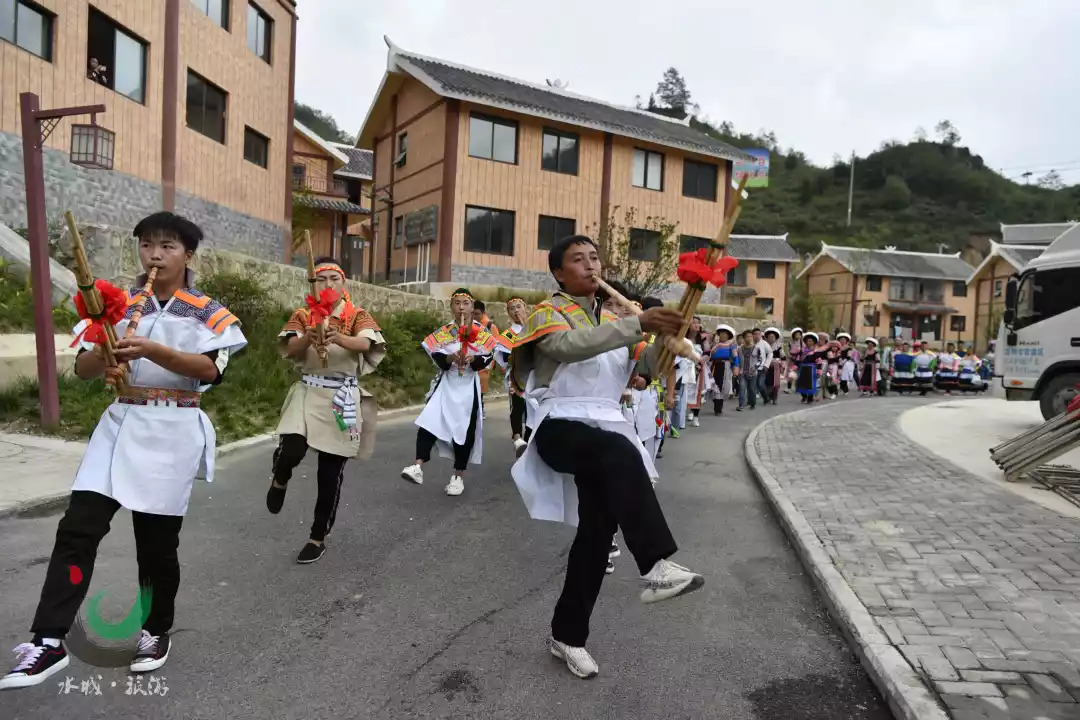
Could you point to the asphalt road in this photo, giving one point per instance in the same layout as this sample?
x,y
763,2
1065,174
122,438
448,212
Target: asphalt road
x,y
426,606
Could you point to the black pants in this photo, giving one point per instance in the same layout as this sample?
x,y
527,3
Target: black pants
x,y
718,405
517,418
80,532
290,451
614,492
425,441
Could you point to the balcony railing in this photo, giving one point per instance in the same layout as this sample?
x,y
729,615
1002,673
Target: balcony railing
x,y
932,297
318,184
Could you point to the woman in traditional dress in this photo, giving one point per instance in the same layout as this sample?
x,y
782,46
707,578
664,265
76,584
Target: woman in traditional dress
x,y
725,361
869,377
849,363
773,375
794,355
700,340
810,368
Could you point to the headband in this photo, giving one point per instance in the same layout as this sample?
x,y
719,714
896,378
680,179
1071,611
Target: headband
x,y
461,292
329,266
515,298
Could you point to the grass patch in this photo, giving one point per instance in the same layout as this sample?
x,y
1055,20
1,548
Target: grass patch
x,y
17,305
248,401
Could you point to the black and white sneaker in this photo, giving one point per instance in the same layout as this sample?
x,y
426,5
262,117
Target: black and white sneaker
x,y
310,553
36,662
152,653
667,580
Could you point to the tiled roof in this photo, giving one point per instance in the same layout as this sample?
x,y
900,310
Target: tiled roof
x,y
478,86
1020,255
898,263
774,248
320,202
1033,233
361,162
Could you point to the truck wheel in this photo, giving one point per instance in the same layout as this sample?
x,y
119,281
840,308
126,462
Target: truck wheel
x,y
1056,395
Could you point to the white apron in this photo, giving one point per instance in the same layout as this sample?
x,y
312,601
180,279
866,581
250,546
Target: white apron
x,y
586,391
448,406
147,457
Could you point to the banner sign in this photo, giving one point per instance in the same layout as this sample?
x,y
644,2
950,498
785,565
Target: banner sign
x,y
756,171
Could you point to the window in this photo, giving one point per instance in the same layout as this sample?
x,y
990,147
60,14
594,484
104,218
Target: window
x,y
489,231
553,229
648,170
115,58
957,323
644,245
402,148
259,32
997,288
959,288
205,107
256,147
699,180
764,305
766,270
737,276
832,283
399,232
216,10
690,243
493,139
28,26
299,174
1045,294
873,283
560,152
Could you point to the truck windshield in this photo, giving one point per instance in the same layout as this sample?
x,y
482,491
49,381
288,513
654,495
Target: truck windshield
x,y
1045,294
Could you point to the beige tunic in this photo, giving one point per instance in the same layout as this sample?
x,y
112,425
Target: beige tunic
x,y
309,411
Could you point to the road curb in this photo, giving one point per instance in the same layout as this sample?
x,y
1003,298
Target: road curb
x,y
902,687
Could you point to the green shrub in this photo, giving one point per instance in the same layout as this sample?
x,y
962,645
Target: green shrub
x,y
404,376
503,294
17,305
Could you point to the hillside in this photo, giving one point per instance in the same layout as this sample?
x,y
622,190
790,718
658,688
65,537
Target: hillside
x,y
913,196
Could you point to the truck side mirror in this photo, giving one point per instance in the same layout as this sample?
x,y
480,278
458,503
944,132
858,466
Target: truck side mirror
x,y
1008,317
1010,294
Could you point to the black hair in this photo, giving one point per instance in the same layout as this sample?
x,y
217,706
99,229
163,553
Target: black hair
x,y
754,330
555,255
617,287
651,302
479,305
462,291
326,260
166,222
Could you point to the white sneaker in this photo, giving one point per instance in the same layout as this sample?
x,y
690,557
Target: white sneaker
x,y
456,486
578,659
694,422
667,580
519,447
414,473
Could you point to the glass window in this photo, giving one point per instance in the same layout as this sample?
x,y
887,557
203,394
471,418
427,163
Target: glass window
x,y
28,26
699,180
256,147
997,288
766,270
832,283
957,323
690,243
644,245
206,105
1046,294
873,283
764,305
648,169
402,148
299,174
115,58
216,10
560,152
959,288
737,276
259,26
493,139
553,229
399,232
489,231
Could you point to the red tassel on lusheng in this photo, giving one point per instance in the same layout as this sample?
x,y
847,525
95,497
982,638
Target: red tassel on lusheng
x,y
324,306
694,270
115,301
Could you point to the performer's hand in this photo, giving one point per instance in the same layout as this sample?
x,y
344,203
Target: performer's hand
x,y
333,337
312,335
639,382
133,348
114,376
662,320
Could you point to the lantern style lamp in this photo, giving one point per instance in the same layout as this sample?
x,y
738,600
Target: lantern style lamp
x,y
92,146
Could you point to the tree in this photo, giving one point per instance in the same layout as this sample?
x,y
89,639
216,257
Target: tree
x,y
321,123
920,134
1051,181
896,195
947,132
643,256
672,90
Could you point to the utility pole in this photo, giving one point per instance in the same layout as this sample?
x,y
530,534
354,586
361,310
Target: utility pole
x,y
851,189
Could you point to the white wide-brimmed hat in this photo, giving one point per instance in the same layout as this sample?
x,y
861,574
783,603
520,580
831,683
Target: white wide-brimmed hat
x,y
871,340
843,335
810,335
796,330
771,330
730,330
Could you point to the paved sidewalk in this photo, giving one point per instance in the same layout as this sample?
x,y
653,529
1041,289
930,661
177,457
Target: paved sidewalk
x,y
962,599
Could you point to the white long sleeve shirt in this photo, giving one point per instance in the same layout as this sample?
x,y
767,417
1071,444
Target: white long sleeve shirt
x,y
762,355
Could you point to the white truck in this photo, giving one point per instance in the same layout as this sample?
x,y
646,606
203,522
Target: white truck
x,y
1037,354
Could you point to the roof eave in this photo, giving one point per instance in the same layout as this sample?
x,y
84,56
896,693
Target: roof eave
x,y
321,142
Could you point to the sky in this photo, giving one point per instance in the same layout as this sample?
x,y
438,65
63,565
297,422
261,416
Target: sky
x,y
827,76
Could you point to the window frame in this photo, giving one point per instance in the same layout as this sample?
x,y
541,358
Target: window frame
x,y
494,120
302,176
399,232
207,85
249,132
268,21
832,284
953,323
48,30
765,263
772,305
491,211
959,284
645,178
559,136
687,164
692,243
402,149
556,235
226,14
648,235
876,286
110,63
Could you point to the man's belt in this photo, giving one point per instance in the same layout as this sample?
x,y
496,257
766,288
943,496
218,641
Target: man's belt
x,y
159,397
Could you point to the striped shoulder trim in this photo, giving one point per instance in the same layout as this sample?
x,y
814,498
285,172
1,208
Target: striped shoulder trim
x,y
545,319
194,298
637,350
213,314
606,316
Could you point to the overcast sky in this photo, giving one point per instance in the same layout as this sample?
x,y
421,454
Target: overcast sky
x,y
827,76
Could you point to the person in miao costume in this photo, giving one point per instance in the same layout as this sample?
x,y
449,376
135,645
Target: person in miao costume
x,y
585,465
481,316
869,375
775,366
326,410
701,379
518,312
809,368
147,448
794,355
452,418
725,364
924,364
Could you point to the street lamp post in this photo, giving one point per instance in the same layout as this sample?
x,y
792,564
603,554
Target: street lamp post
x,y
92,146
